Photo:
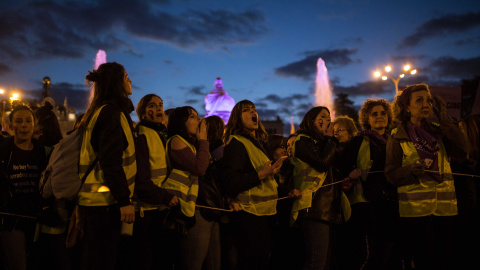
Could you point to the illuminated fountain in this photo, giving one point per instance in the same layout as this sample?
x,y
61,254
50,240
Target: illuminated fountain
x,y
101,58
323,89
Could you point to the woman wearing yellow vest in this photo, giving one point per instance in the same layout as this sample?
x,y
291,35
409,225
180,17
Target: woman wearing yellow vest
x,y
417,163
188,153
104,200
249,182
318,207
369,234
149,235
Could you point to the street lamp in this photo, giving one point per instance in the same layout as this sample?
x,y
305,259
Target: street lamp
x,y
2,92
15,96
395,78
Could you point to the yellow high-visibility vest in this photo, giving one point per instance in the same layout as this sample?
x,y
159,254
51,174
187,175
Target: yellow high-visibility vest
x,y
307,180
183,184
428,197
157,159
260,200
94,191
364,162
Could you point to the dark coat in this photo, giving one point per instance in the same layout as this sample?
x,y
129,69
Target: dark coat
x,y
320,153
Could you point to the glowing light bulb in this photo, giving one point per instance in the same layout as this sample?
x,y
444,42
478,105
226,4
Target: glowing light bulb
x,y
15,96
388,68
377,74
384,78
402,75
406,67
413,72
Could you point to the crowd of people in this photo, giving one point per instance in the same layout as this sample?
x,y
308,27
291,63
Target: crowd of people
x,y
174,191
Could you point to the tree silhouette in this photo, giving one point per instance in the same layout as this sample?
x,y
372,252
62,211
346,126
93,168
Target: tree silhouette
x,y
343,106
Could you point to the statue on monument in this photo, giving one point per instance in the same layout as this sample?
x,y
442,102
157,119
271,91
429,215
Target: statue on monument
x,y
218,102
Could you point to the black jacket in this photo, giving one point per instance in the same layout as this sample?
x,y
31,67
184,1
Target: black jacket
x,y
109,142
319,153
240,175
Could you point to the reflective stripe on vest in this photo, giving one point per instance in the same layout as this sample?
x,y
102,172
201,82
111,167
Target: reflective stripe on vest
x,y
428,196
260,200
157,159
364,163
306,179
157,155
94,192
183,184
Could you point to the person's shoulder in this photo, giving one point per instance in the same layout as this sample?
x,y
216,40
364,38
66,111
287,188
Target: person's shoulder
x,y
177,144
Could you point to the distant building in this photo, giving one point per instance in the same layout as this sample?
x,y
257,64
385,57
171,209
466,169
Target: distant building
x,y
218,102
273,127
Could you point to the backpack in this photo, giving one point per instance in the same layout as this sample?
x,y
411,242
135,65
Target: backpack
x,y
209,192
60,179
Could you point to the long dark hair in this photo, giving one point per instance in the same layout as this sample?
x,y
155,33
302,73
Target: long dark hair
x,y
274,141
235,124
108,84
176,124
471,130
48,122
216,128
307,126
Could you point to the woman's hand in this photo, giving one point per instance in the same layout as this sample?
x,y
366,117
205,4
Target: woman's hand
x,y
357,173
294,193
202,130
127,213
233,205
329,130
347,184
174,201
418,167
269,169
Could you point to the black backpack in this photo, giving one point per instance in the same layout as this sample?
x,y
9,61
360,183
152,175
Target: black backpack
x,y
209,191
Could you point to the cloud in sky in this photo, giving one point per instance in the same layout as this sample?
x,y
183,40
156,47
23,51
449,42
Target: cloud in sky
x,y
440,26
306,68
42,29
195,90
449,67
286,106
4,69
364,89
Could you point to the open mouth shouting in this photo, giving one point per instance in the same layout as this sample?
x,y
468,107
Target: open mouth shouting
x,y
250,119
255,119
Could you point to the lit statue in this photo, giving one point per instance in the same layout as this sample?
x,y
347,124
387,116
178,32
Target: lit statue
x,y
218,102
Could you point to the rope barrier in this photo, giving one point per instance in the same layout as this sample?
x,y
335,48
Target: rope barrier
x,y
278,199
16,215
334,183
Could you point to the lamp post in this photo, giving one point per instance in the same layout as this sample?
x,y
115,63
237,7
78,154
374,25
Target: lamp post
x,y
2,92
395,78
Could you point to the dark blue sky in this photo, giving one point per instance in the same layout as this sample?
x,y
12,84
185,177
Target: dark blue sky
x,y
265,51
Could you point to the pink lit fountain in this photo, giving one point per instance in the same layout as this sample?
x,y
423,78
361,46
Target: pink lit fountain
x,y
323,89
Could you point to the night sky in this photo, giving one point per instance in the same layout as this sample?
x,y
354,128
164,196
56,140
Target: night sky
x,y
265,51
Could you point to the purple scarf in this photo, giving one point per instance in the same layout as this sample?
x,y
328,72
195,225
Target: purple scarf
x,y
375,138
427,147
